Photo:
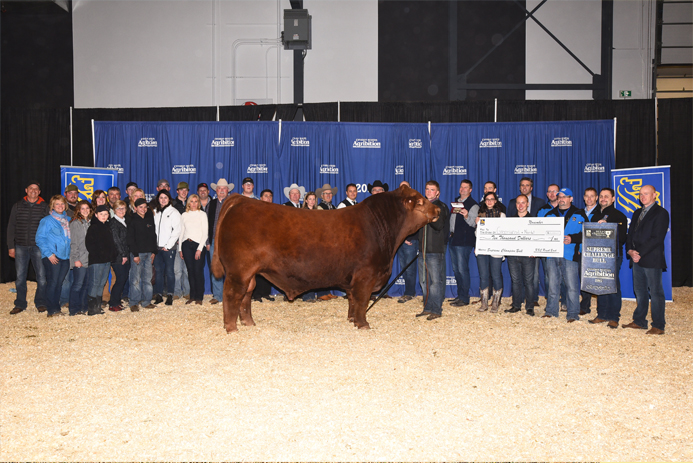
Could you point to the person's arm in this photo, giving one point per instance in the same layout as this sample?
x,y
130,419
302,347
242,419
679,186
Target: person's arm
x,y
175,229
471,217
11,225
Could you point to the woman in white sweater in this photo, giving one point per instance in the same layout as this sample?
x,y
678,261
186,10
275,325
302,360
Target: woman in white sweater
x,y
191,245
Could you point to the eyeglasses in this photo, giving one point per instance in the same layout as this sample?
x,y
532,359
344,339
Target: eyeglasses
x,y
491,199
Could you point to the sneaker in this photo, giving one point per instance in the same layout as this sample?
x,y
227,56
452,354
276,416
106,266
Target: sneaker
x,y
16,310
564,308
117,308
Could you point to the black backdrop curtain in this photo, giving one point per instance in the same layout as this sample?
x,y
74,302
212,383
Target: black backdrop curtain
x,y
35,142
456,111
676,149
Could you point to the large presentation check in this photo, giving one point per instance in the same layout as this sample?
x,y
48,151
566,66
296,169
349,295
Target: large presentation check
x,y
530,236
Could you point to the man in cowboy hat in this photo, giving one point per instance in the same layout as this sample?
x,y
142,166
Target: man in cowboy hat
x,y
294,193
326,193
378,187
222,187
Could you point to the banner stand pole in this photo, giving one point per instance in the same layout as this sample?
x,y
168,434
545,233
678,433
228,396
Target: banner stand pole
x,y
72,162
93,142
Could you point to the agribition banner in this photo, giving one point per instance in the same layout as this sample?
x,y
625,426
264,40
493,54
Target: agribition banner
x,y
277,154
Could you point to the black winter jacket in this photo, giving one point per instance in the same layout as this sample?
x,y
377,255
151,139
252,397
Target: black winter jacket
x,y
99,242
142,233
24,221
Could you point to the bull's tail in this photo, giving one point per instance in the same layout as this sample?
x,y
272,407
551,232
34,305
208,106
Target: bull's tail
x,y
217,267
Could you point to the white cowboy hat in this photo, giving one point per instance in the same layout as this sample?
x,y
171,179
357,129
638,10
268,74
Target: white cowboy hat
x,y
325,187
293,186
222,182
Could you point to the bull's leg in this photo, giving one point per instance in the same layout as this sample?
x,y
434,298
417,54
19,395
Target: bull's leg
x,y
358,304
246,313
233,295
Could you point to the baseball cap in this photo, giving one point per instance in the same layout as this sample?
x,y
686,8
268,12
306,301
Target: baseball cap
x,y
182,185
131,184
71,187
565,191
163,181
247,180
140,201
202,185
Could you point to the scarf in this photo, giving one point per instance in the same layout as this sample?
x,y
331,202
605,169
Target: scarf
x,y
62,218
120,220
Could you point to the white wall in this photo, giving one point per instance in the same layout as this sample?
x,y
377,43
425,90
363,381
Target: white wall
x,y
143,53
577,23
140,53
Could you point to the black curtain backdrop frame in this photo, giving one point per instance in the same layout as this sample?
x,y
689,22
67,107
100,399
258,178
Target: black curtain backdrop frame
x,y
675,148
36,142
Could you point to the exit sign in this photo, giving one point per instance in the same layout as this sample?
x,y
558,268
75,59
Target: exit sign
x,y
625,93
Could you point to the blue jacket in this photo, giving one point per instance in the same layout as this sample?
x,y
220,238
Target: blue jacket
x,y
573,220
51,239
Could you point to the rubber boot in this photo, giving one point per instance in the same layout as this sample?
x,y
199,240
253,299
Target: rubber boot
x,y
91,306
484,300
496,300
98,308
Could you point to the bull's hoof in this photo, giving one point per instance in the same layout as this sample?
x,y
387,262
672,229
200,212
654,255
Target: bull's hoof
x,y
247,322
365,327
350,319
231,329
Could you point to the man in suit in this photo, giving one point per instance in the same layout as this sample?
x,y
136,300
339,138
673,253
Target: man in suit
x,y
526,188
294,193
645,249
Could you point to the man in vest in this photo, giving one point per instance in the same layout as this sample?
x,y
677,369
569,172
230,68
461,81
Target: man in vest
x,y
350,200
462,241
326,193
21,243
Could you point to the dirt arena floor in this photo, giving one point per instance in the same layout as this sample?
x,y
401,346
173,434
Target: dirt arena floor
x,y
169,384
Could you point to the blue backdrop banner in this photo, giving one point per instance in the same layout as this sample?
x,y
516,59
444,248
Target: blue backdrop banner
x,y
88,179
627,184
277,154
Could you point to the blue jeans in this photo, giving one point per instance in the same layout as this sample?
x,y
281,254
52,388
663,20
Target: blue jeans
x,y
65,290
22,256
435,278
568,271
165,266
405,254
141,279
522,274
55,274
181,271
121,278
609,305
217,284
98,276
489,270
459,255
79,290
647,285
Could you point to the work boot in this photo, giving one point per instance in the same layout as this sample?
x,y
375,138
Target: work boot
x,y
157,299
98,306
91,306
169,300
496,300
484,300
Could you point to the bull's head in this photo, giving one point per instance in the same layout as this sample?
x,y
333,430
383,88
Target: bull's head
x,y
417,203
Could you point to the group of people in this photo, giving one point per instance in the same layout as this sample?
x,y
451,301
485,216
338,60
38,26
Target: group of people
x,y
73,246
643,241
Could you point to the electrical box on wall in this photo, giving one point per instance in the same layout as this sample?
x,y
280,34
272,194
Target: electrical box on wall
x,y
296,34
